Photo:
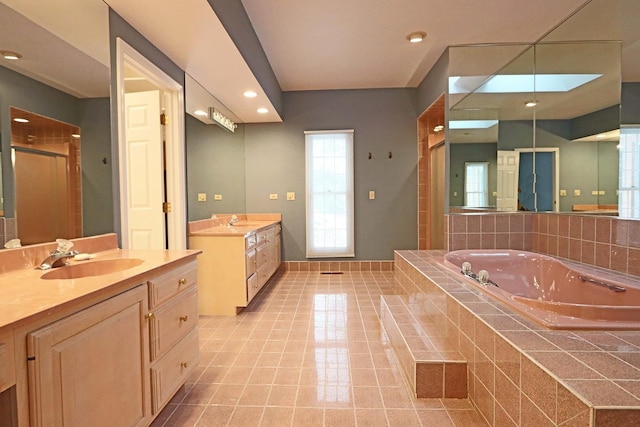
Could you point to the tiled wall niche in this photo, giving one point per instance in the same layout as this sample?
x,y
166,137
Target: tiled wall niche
x,y
606,242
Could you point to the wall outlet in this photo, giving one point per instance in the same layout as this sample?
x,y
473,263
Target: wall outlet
x,y
217,197
563,193
601,193
202,197
594,192
273,196
291,195
576,192
372,195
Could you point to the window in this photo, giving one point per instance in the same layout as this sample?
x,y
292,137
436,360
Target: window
x,y
329,172
476,184
629,186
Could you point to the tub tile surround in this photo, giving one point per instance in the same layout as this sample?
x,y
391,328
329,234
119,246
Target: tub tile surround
x,y
520,373
605,242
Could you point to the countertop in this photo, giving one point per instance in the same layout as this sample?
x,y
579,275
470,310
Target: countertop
x,y
247,224
25,295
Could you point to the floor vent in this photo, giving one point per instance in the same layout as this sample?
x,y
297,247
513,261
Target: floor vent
x,y
331,272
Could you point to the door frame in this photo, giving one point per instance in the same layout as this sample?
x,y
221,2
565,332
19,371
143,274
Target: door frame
x,y
175,144
555,153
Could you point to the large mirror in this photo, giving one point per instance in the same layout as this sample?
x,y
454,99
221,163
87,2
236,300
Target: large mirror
x,y
60,83
552,107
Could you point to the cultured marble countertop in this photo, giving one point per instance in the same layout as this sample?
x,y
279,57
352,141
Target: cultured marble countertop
x,y
246,225
25,295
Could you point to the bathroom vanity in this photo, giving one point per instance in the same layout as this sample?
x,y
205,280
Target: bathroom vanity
x,y
105,341
238,259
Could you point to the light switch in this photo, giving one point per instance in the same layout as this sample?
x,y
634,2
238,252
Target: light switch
x,y
601,193
372,195
563,193
594,192
202,197
291,195
576,192
273,196
217,197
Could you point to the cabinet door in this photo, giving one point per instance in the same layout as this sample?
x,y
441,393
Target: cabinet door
x,y
91,368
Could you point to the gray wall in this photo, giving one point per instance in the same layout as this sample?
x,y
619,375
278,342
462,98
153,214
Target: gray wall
x,y
97,199
215,165
384,120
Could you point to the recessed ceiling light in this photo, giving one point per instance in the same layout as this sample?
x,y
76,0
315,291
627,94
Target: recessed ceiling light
x,y
200,113
250,94
531,103
12,56
417,36
262,110
20,120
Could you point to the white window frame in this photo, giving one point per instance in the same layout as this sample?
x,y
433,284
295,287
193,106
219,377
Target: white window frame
x,y
484,195
629,172
316,228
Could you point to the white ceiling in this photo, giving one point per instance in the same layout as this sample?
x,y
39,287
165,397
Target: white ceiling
x,y
333,44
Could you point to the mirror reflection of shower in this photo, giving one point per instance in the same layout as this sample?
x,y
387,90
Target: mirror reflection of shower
x,y
48,177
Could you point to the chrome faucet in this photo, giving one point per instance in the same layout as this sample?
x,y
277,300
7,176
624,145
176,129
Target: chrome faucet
x,y
59,257
233,220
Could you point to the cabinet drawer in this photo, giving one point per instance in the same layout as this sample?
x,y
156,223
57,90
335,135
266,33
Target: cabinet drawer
x,y
262,237
172,321
251,262
165,286
7,362
250,241
172,370
262,257
252,286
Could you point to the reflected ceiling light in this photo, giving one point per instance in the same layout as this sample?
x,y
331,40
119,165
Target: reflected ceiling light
x,y
75,135
601,136
531,103
262,110
12,56
472,124
417,36
438,128
20,120
250,94
200,113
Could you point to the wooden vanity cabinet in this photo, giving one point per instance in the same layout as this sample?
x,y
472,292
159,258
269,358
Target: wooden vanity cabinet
x,y
118,362
233,268
92,368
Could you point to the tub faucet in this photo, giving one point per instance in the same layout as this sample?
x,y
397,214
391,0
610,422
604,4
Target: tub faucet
x,y
59,257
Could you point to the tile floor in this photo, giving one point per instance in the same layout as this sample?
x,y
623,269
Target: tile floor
x,y
309,351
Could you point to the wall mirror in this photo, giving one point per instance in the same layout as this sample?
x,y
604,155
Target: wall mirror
x,y
61,80
568,134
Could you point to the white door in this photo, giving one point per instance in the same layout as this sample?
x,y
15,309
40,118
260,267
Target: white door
x,y
144,172
508,164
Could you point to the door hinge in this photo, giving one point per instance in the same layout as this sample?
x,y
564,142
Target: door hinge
x,y
166,207
164,120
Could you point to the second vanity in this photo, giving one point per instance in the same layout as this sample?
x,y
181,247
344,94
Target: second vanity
x,y
240,253
107,341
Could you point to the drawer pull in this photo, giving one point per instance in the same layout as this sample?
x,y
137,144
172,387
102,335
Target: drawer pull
x,y
182,282
149,315
184,365
184,318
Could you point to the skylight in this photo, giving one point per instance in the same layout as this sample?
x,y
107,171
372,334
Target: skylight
x,y
472,124
521,83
